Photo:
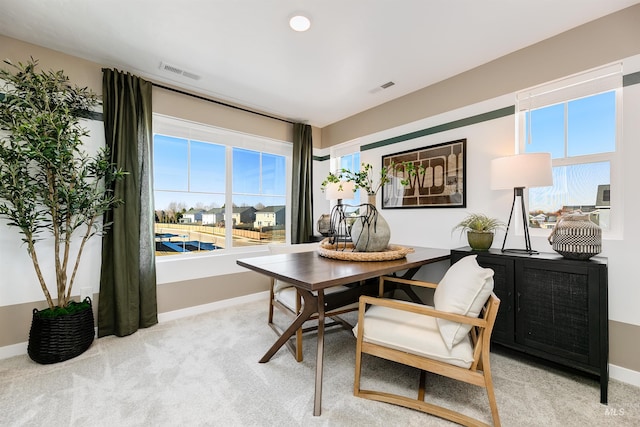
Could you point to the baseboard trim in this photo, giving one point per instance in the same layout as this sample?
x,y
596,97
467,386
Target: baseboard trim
x,y
205,308
13,350
625,375
20,349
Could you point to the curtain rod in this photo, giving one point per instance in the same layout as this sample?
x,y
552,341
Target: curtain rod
x,y
220,103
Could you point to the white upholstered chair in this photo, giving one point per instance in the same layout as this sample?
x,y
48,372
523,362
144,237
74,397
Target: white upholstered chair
x,y
284,297
451,339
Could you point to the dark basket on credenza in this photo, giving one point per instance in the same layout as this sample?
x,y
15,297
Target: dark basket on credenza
x,y
53,340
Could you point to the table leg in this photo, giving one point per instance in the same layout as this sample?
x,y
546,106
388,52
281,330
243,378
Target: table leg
x,y
310,307
317,403
407,288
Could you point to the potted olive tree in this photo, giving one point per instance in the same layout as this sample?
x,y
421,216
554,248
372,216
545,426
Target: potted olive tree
x,y
51,189
480,230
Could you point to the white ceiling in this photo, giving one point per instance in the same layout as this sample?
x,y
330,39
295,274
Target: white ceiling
x,y
245,52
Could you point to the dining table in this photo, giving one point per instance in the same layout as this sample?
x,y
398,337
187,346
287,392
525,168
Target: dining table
x,y
312,273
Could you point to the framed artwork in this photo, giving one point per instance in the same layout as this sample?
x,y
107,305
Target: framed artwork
x,y
437,179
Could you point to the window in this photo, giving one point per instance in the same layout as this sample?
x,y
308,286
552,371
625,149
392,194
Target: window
x,y
352,163
216,189
576,121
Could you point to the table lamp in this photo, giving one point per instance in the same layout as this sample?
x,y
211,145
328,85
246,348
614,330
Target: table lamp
x,y
517,172
338,228
340,190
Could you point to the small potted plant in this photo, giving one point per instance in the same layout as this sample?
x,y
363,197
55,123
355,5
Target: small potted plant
x,y
480,230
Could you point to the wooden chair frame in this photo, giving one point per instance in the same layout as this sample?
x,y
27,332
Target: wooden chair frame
x,y
479,373
296,350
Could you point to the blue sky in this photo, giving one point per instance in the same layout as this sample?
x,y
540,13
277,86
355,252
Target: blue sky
x,y
257,178
591,129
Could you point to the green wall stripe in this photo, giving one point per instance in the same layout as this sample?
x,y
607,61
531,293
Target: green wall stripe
x,y
91,115
321,158
631,79
86,114
495,114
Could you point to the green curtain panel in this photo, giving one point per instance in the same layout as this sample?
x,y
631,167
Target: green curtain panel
x,y
302,191
128,276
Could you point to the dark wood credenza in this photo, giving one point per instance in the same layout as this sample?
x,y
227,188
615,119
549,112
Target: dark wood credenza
x,y
552,308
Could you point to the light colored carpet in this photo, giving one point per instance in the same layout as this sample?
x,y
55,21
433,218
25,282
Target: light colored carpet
x,y
204,371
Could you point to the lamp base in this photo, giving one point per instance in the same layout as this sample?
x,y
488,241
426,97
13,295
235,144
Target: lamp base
x,y
519,192
521,251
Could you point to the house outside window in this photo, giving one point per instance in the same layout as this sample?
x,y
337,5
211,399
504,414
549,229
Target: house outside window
x,y
212,185
576,120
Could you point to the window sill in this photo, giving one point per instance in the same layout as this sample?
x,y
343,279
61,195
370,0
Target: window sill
x,y
177,268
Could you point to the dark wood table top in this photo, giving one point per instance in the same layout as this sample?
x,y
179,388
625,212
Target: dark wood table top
x,y
309,270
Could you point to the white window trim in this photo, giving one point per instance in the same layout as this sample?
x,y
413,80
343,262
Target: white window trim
x,y
340,150
181,128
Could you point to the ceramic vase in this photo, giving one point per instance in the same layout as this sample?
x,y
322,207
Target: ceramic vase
x,y
370,231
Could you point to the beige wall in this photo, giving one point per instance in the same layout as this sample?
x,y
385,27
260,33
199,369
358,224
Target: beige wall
x,y
624,345
191,293
174,104
80,72
599,42
177,105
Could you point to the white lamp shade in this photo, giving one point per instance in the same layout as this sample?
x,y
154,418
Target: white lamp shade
x,y
340,190
521,170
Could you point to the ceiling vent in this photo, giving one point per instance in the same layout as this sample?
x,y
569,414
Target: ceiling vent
x,y
383,86
168,68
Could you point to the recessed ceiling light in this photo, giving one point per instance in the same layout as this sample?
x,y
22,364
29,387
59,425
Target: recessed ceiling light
x,y
299,23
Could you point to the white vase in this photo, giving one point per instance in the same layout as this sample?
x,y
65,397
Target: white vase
x,y
370,231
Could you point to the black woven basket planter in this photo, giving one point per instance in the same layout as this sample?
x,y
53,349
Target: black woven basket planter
x,y
61,338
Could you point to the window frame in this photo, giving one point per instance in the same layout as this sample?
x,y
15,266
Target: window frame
x,y
190,130
562,91
336,154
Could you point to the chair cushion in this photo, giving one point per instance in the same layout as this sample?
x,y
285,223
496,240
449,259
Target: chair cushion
x,y
279,285
464,289
413,333
287,296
